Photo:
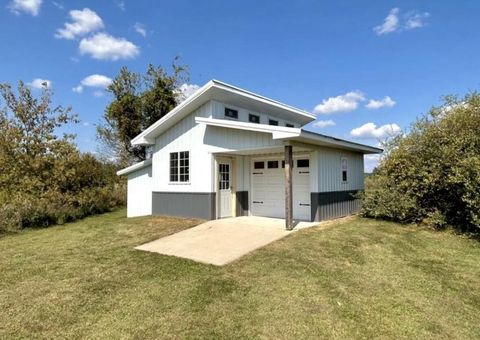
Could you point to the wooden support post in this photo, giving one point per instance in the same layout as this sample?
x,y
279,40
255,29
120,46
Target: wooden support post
x,y
288,188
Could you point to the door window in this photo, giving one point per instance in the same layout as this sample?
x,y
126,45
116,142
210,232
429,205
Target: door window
x,y
224,176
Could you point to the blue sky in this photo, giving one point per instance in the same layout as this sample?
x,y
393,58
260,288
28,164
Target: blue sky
x,y
365,68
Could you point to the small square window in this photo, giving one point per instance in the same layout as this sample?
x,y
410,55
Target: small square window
x,y
303,163
273,122
231,113
259,165
289,125
253,118
272,164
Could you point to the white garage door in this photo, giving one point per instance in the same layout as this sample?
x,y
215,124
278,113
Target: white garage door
x,y
268,188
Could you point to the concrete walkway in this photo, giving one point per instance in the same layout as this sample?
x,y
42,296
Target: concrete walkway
x,y
219,242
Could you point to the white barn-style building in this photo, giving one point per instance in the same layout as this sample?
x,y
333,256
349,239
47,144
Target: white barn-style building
x,y
226,152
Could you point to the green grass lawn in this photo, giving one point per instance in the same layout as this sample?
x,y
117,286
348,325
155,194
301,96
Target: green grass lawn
x,y
354,279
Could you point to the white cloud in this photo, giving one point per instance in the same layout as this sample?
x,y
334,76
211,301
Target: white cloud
x,y
343,103
324,123
59,5
28,6
39,83
416,20
121,5
94,80
390,23
78,89
370,130
86,124
105,47
377,104
186,90
393,22
140,29
82,22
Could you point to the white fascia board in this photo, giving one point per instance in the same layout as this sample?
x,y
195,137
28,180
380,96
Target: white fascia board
x,y
134,167
315,138
283,134
276,131
140,140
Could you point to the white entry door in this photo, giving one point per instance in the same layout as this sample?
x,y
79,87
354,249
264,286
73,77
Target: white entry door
x,y
224,189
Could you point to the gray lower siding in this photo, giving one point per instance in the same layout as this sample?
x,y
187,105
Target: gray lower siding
x,y
242,203
334,204
324,205
184,204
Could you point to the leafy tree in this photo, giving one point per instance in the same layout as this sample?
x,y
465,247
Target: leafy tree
x,y
433,173
138,101
122,118
44,179
29,147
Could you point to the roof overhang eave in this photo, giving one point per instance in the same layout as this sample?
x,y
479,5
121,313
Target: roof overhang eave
x,y
135,167
278,132
143,141
288,135
332,142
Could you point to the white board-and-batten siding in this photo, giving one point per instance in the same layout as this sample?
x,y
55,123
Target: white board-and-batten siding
x,y
139,192
186,135
330,172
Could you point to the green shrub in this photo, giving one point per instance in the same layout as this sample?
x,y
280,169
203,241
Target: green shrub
x,y
432,174
45,179
26,211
